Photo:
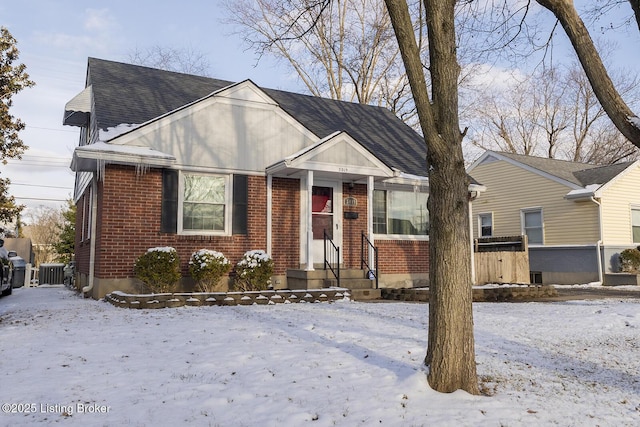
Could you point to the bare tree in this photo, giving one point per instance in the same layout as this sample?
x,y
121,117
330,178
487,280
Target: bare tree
x,y
507,120
450,352
612,147
44,231
185,60
553,113
341,49
618,111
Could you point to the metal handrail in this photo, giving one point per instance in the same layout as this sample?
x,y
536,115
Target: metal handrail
x,y
334,255
364,261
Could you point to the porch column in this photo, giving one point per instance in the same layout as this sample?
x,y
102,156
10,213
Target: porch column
x,y
309,222
269,214
370,186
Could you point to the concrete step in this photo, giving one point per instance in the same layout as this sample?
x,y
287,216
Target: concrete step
x,y
316,279
365,294
351,283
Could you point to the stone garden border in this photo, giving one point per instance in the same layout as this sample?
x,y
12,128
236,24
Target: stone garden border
x,y
152,301
498,293
168,300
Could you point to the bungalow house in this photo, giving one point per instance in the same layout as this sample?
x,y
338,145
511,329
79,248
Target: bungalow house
x,y
170,159
577,217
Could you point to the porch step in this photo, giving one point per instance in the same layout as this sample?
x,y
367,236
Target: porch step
x,y
352,279
351,283
366,294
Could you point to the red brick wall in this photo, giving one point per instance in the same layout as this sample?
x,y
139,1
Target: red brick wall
x,y
129,223
352,229
403,256
286,224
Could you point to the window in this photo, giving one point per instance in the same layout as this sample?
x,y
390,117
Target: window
x,y
240,217
379,212
485,224
86,206
400,212
635,224
204,202
532,225
169,217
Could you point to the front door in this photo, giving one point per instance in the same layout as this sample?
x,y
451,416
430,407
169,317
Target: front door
x,y
326,217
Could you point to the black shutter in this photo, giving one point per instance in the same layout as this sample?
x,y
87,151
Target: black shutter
x,y
169,219
240,204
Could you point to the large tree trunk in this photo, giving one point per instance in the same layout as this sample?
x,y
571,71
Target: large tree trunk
x,y
450,352
612,103
635,5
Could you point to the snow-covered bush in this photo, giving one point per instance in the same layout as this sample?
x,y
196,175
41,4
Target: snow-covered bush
x,y
630,260
158,269
207,267
254,271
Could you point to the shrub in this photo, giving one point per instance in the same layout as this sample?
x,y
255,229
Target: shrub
x,y
158,269
207,268
254,271
630,260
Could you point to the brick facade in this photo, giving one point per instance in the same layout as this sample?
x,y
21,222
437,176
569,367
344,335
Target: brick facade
x,y
403,256
352,229
285,224
129,215
129,223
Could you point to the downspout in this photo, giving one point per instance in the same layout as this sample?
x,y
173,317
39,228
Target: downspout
x,y
92,243
599,242
472,196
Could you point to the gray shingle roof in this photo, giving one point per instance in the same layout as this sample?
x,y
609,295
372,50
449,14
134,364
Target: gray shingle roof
x,y
125,93
582,174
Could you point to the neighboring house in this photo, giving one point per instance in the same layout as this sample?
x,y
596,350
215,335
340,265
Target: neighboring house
x,y
577,217
169,159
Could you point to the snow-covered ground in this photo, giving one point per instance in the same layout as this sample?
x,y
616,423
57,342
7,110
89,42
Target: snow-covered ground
x,y
70,361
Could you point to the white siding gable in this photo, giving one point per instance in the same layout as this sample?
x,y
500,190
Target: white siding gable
x,y
237,128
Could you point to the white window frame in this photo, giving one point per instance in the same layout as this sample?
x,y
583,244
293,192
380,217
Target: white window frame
x,y
227,206
522,222
389,236
484,215
633,208
87,208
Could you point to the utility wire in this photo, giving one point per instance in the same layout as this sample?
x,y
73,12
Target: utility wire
x,y
45,186
40,198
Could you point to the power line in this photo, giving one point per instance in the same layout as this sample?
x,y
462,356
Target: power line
x,y
56,130
48,165
40,198
35,156
45,186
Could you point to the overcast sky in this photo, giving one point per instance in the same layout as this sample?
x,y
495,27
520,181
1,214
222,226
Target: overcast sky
x,y
55,38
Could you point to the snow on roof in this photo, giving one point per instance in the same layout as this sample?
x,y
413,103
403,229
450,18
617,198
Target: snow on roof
x,y
114,132
587,191
94,157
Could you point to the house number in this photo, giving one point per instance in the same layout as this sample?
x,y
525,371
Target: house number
x,y
343,169
350,201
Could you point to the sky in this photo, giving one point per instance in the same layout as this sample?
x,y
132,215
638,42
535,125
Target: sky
x,y
82,362
56,38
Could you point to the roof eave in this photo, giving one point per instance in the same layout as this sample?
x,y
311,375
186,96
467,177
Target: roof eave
x,y
88,159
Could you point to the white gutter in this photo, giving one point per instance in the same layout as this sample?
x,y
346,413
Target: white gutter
x,y
94,227
599,242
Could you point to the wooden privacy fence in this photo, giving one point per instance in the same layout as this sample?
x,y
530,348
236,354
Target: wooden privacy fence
x,y
501,260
